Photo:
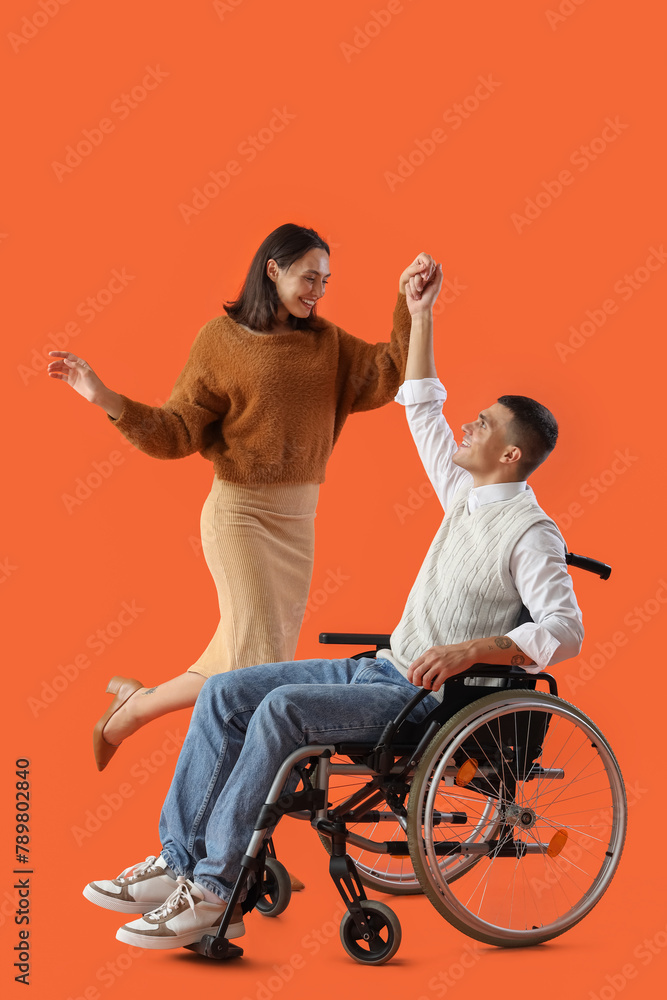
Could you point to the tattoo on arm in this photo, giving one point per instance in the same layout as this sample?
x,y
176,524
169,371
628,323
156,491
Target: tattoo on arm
x,y
512,653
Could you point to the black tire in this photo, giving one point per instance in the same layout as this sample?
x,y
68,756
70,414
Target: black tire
x,y
561,801
386,928
277,889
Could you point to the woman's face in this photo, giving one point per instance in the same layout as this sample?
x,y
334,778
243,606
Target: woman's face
x,y
300,285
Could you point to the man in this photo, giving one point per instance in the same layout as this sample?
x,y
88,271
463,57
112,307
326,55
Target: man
x,y
495,550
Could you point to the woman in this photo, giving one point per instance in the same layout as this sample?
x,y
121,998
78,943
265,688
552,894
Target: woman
x,y
264,395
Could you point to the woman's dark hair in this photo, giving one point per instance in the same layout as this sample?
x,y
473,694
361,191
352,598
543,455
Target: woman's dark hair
x,y
533,428
257,304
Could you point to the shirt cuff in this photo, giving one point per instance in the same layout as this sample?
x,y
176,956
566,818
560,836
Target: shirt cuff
x,y
420,390
537,643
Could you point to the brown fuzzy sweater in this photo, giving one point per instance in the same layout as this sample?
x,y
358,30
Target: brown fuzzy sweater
x,y
268,408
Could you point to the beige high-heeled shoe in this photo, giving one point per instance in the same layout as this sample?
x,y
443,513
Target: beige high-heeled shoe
x,y
123,688
297,884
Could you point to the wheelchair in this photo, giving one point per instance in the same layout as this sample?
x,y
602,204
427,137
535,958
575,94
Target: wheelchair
x,y
505,807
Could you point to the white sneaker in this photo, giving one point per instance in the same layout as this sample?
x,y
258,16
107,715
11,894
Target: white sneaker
x,y
182,919
138,889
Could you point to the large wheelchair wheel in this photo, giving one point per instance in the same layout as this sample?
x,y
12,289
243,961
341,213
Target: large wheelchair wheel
x,y
393,872
558,795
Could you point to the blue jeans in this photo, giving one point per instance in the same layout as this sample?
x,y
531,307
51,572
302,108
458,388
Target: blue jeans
x,y
244,725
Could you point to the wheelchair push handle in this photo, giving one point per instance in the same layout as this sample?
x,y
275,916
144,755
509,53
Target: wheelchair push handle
x,y
590,565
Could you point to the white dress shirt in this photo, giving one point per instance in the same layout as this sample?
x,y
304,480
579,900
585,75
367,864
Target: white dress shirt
x,y
537,562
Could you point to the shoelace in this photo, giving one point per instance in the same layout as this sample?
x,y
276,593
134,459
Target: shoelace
x,y
178,896
140,869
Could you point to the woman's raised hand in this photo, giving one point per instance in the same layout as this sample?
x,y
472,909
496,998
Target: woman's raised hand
x,y
78,373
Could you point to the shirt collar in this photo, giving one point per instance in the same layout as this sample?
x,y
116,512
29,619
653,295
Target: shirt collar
x,y
480,495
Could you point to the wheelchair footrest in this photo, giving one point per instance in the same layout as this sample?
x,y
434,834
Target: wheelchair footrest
x,y
218,948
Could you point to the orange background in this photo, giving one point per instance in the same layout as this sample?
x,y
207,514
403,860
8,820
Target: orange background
x,y
357,111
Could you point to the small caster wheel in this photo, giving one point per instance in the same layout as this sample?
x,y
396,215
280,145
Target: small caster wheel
x,y
276,889
384,924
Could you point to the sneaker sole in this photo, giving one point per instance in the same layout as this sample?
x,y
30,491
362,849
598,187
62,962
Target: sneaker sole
x,y
178,940
121,905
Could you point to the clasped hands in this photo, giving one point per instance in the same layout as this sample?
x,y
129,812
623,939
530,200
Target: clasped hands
x,y
420,283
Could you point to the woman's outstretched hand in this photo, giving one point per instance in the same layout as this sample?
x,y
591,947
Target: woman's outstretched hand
x,y
422,268
77,373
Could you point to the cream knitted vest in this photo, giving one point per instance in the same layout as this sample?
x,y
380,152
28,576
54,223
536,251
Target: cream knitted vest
x,y
464,589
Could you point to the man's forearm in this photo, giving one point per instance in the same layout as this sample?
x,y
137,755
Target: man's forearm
x,y
421,363
499,649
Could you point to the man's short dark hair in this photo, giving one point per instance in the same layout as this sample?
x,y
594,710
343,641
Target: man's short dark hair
x,y
533,429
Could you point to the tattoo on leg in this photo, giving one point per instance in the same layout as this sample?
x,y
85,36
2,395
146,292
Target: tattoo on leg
x,y
502,642
518,660
149,690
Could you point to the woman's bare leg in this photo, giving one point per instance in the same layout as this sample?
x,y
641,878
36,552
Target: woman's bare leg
x,y
147,704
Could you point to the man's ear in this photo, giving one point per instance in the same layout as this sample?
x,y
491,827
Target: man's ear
x,y
511,455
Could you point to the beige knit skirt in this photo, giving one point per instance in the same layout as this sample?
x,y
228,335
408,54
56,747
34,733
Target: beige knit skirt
x,y
258,542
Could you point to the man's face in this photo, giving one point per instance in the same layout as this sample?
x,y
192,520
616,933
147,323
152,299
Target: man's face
x,y
485,442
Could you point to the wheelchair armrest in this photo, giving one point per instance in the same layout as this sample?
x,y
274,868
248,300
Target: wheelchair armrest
x,y
381,640
504,671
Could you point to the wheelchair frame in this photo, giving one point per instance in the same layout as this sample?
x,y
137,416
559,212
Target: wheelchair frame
x,y
479,769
